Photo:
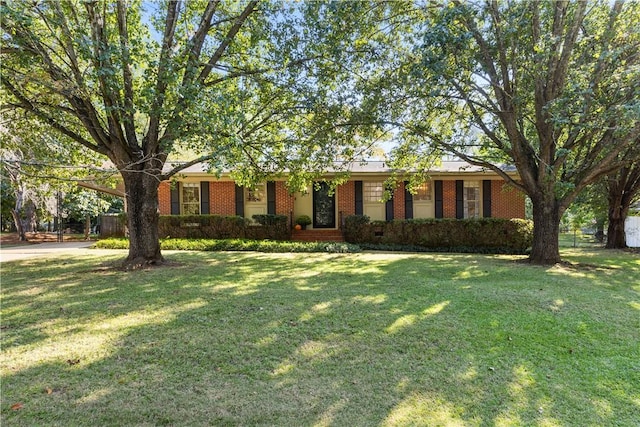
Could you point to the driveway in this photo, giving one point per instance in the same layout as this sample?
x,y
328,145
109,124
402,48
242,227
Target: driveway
x,y
18,252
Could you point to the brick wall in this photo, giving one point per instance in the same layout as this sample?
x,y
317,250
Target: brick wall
x,y
284,201
222,198
449,199
164,198
346,194
506,201
398,202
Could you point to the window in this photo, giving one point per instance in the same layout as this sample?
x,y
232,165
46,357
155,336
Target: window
x,y
423,192
255,194
372,191
471,199
190,198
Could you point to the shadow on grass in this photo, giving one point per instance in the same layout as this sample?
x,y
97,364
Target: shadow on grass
x,y
367,339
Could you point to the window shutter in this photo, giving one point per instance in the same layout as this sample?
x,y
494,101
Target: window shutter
x,y
438,198
271,197
359,198
408,202
175,199
486,198
239,200
204,198
459,198
388,208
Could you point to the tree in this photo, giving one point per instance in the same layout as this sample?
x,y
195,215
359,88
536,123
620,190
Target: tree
x,y
35,165
245,86
591,206
7,202
550,87
623,188
84,204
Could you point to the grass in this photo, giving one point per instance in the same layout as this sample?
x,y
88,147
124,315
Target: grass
x,y
324,340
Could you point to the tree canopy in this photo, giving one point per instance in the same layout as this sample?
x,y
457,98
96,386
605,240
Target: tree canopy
x,y
550,87
255,87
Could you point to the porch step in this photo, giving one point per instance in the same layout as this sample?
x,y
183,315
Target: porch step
x,y
317,236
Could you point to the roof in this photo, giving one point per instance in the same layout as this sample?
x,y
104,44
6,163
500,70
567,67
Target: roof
x,y
379,167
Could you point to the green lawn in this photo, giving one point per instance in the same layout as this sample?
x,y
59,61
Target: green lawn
x,y
323,340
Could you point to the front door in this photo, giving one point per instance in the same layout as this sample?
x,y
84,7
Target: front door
x,y
324,206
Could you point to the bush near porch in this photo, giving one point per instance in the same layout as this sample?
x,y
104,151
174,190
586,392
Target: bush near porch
x,y
488,235
273,227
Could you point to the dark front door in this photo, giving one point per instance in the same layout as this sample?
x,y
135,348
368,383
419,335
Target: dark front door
x,y
324,206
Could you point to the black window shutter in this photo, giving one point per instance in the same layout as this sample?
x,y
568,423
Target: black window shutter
x,y
439,198
359,198
486,198
459,198
239,200
175,199
204,198
408,202
271,197
388,208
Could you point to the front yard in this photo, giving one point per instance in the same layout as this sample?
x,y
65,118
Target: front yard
x,y
323,339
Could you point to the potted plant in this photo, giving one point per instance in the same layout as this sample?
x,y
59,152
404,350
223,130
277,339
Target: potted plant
x,y
303,221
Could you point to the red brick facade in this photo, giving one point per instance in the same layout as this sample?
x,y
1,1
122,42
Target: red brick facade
x,y
164,198
346,195
222,198
398,202
284,200
506,202
449,199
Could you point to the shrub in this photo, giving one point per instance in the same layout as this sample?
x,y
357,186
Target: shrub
x,y
223,227
271,227
483,235
357,229
237,245
303,220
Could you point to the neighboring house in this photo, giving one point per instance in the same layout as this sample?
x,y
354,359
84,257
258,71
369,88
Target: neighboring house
x,y
454,190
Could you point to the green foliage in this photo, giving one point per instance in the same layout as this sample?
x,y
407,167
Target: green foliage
x,y
482,235
257,88
273,227
549,88
303,220
270,219
81,203
356,228
241,245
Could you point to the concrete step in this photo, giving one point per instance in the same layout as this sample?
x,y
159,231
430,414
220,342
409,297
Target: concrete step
x,y
317,236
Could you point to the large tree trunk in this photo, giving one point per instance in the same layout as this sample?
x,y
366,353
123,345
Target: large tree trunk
x,y
142,218
545,249
622,189
616,237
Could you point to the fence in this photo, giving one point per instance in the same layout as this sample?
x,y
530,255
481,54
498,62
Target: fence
x,y
111,225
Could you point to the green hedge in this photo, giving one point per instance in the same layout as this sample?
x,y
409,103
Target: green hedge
x,y
236,245
484,235
272,227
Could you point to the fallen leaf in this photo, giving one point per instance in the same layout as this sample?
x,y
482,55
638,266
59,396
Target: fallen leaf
x,y
48,390
16,406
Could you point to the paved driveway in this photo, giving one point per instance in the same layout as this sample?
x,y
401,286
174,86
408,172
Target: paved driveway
x,y
18,252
